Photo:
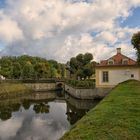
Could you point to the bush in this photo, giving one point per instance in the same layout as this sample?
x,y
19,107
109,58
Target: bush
x,y
81,84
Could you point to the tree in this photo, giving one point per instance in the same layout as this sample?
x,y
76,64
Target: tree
x,y
136,43
28,71
29,67
6,67
81,65
16,70
88,70
42,70
63,70
87,58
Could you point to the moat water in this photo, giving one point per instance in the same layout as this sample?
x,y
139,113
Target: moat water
x,y
41,116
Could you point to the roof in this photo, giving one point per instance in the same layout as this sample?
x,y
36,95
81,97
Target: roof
x,y
118,60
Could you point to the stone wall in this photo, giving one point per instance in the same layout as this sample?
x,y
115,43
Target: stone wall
x,y
96,93
41,86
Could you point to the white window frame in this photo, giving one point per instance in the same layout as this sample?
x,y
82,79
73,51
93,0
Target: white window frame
x,y
110,60
125,60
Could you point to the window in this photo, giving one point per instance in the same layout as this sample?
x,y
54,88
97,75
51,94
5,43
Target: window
x,y
125,61
105,76
132,75
111,62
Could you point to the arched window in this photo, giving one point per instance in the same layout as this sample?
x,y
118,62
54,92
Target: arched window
x,y
125,61
110,62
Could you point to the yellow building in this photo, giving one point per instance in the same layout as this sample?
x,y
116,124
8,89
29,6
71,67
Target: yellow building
x,y
115,70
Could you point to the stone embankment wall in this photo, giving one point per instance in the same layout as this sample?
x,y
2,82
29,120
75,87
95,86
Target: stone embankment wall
x,y
96,93
41,86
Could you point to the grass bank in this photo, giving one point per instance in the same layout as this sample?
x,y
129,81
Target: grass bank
x,y
117,117
13,90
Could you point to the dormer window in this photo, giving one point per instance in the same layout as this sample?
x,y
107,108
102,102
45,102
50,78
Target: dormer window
x,y
110,62
125,61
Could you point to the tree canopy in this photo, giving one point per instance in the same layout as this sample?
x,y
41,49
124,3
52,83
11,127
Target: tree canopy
x,y
136,43
82,66
28,67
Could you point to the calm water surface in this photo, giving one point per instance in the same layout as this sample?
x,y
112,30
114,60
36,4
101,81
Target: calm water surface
x,y
40,116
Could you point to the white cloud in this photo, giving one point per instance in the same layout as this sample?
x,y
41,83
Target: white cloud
x,y
106,37
60,29
9,30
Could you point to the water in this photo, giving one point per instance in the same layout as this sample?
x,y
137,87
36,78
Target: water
x,y
40,116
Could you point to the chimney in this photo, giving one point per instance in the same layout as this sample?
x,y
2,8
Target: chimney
x,y
118,50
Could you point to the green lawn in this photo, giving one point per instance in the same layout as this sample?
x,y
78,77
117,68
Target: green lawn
x,y
117,117
12,89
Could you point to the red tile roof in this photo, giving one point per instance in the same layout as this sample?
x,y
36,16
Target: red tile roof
x,y
118,59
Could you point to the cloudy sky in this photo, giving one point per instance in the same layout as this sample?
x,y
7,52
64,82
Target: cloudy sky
x,y
60,29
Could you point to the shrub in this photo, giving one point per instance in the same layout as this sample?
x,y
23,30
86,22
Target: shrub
x,y
81,84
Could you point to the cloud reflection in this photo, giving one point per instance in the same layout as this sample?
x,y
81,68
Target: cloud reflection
x,y
10,128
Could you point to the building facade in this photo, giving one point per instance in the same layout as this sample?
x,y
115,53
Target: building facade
x,y
115,70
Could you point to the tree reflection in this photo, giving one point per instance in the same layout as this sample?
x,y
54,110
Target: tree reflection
x,y
41,108
5,114
26,104
7,109
15,107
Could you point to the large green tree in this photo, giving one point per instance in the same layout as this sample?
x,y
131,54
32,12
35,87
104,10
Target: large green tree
x,y
136,43
81,66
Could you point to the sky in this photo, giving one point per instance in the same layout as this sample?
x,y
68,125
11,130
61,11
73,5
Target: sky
x,y
61,29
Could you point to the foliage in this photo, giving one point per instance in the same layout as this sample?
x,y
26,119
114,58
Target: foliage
x,y
81,66
8,106
117,117
81,84
136,43
41,108
28,67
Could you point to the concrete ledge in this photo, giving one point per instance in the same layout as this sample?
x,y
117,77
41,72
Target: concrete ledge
x,y
96,93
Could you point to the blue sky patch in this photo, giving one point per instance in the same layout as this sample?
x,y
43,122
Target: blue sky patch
x,y
133,20
2,3
1,46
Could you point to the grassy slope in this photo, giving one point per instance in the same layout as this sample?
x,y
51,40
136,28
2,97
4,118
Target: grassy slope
x,y
117,117
9,89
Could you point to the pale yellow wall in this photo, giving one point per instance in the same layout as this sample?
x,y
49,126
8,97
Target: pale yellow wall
x,y
116,75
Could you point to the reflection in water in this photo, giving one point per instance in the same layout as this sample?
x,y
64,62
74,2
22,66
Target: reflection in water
x,y
76,109
41,108
40,116
26,104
